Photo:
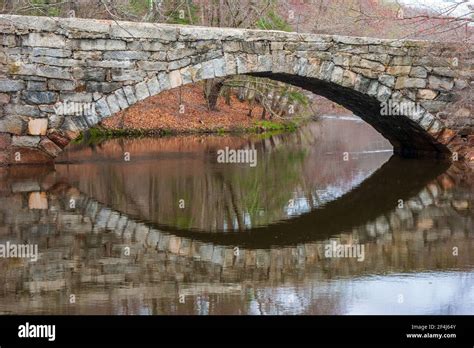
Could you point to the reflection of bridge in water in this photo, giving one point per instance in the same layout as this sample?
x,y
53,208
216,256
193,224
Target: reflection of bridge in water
x,y
82,248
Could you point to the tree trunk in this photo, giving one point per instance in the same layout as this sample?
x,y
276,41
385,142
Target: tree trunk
x,y
212,90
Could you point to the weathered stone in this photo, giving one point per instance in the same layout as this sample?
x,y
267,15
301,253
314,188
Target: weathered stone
x,y
12,124
337,75
102,87
4,98
121,99
52,52
49,147
139,45
387,80
5,140
38,126
39,97
153,86
407,60
418,71
178,64
11,85
206,71
77,97
117,64
102,108
89,74
59,139
61,85
349,78
44,40
426,94
427,120
440,83
164,81
409,82
52,72
113,103
141,90
126,55
119,75
368,64
399,70
373,88
25,140
444,71
62,62
102,45
383,93
22,110
326,70
362,84
129,92
433,106
144,30
175,79
36,86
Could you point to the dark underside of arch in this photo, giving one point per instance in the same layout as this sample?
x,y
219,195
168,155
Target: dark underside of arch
x,y
407,137
405,178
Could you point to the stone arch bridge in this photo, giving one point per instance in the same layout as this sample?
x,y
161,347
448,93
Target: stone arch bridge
x,y
59,76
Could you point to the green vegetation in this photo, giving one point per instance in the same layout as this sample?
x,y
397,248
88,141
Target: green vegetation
x,y
45,7
263,128
273,21
275,126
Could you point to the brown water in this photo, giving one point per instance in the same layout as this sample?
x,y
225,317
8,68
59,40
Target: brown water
x,y
174,231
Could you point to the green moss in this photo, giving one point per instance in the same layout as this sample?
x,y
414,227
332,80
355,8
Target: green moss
x,y
263,129
276,126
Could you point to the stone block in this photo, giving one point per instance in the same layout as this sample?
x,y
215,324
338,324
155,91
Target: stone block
x,y
44,40
426,94
40,97
121,99
38,126
141,90
25,141
49,147
175,79
102,108
129,92
112,101
409,82
440,83
11,85
102,45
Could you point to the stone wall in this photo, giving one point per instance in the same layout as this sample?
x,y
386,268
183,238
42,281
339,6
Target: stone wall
x,y
60,76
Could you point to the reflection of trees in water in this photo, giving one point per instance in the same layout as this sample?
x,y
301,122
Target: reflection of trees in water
x,y
275,280
224,196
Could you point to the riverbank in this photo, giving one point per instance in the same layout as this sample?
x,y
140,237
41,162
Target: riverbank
x,y
184,111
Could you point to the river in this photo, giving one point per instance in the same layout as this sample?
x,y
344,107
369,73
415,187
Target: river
x,y
326,221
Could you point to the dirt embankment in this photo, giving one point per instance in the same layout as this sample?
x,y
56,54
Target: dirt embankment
x,y
185,110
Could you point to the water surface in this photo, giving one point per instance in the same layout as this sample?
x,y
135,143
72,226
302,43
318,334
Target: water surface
x,y
173,231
